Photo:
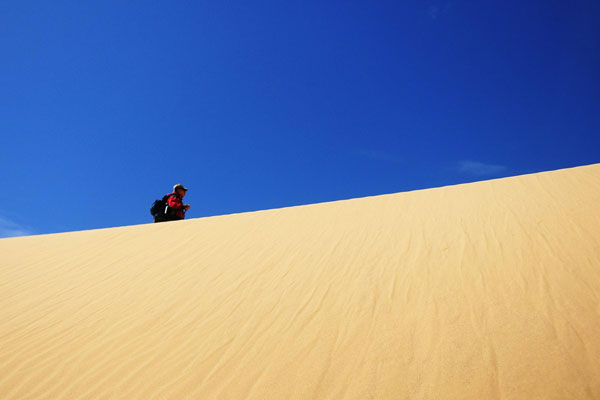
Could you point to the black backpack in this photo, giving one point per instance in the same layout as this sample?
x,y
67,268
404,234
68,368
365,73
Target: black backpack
x,y
160,207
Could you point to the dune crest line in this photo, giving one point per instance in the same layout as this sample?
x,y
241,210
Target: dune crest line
x,y
482,290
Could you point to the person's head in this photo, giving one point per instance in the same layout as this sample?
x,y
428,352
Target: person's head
x,y
180,189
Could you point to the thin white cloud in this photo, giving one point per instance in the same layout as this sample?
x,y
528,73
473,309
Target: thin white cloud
x,y
480,169
10,229
434,11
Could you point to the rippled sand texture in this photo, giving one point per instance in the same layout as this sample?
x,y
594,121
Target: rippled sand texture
x,y
488,290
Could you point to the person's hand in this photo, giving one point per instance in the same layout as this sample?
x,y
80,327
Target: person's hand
x,y
186,206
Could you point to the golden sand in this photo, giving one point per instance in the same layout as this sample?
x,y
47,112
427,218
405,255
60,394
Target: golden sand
x,y
488,290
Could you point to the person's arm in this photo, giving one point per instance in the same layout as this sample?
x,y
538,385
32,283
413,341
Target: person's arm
x,y
174,202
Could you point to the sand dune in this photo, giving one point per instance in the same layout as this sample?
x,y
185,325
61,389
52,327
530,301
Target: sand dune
x,y
488,290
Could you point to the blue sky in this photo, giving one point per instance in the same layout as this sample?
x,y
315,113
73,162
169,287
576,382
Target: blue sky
x,y
104,106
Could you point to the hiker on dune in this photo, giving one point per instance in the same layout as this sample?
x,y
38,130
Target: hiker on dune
x,y
174,208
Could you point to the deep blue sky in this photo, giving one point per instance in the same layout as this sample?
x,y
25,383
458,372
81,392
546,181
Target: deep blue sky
x,y
105,105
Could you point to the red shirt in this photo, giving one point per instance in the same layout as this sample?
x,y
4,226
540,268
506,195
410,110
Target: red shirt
x,y
174,202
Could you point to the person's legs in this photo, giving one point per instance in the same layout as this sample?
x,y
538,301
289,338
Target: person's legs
x,y
166,218
171,217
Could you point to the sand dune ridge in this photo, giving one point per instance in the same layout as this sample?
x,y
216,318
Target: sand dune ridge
x,y
484,290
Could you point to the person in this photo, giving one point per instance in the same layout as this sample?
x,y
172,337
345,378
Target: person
x,y
176,209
